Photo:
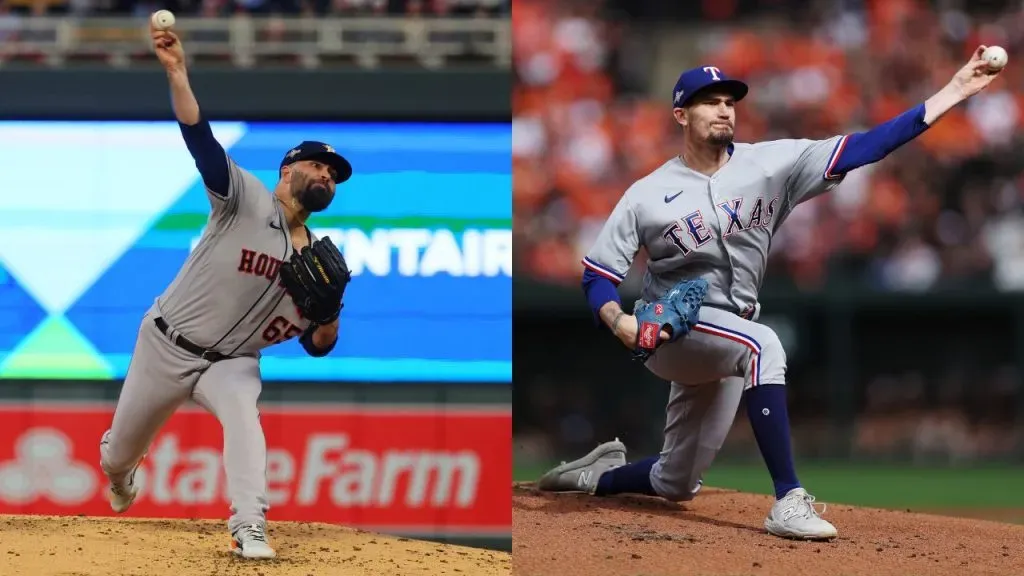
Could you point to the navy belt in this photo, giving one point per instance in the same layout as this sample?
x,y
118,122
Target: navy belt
x,y
188,345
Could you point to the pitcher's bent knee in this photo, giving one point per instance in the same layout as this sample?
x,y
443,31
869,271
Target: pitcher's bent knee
x,y
674,494
675,486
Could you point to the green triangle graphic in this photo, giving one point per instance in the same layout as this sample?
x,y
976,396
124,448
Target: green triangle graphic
x,y
55,349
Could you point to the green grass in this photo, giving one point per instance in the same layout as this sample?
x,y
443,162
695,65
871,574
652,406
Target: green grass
x,y
876,486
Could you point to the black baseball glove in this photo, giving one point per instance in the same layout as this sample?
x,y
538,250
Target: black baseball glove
x,y
676,313
315,278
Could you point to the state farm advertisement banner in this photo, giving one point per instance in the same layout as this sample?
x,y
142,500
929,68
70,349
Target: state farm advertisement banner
x,y
440,470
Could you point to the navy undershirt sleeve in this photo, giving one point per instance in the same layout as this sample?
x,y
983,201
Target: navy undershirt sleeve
x,y
306,339
211,160
599,291
865,148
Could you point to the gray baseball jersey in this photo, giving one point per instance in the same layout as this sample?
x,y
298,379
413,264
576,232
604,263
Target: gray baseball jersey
x,y
228,296
716,227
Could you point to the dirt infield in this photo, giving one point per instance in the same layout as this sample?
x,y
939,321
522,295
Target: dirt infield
x,y
721,532
83,546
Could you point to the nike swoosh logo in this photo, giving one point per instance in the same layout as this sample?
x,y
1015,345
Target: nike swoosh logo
x,y
275,226
672,197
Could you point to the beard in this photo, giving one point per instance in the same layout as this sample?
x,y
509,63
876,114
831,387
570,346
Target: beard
x,y
720,137
313,196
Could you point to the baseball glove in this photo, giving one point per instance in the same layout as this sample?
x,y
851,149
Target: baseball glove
x,y
315,278
675,312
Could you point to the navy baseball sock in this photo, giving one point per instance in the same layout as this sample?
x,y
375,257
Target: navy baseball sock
x,y
766,408
633,478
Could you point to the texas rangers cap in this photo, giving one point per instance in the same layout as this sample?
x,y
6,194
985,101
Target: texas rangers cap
x,y
694,80
310,150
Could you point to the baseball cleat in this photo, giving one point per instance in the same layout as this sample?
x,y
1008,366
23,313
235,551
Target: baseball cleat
x,y
121,496
251,542
582,475
696,489
794,516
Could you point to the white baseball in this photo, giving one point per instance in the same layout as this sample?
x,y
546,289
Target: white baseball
x,y
996,57
162,19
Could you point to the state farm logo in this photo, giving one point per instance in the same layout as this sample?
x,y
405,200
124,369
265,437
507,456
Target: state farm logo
x,y
43,468
327,467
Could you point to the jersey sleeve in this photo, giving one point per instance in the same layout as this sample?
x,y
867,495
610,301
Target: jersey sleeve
x,y
244,193
616,245
812,169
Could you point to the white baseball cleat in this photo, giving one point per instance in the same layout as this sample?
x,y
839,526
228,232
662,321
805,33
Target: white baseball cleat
x,y
794,516
582,475
121,495
250,541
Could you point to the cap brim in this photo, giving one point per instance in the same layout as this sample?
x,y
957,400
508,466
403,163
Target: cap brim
x,y
735,88
336,161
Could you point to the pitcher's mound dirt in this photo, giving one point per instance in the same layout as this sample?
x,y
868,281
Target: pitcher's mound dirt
x,y
721,532
83,546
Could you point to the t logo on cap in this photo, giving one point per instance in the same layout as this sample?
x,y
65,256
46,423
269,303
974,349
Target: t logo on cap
x,y
714,71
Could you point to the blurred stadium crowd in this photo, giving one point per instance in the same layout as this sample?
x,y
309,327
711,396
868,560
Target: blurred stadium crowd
x,y
247,33
944,210
215,8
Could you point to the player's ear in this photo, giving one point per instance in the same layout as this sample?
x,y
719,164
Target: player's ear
x,y
680,116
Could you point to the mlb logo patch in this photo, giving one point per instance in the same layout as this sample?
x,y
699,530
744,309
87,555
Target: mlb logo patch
x,y
658,309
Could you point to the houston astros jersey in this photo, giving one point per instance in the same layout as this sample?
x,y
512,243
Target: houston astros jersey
x,y
715,227
228,296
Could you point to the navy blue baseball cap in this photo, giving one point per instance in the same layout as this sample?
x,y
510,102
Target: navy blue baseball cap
x,y
701,77
310,150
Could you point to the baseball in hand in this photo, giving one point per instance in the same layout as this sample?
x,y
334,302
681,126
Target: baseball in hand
x,y
995,56
162,19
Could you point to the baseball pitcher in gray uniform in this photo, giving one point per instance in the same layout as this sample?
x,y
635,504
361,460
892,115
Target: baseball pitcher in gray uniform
x,y
201,338
708,215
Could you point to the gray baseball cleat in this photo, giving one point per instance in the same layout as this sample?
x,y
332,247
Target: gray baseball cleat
x,y
582,475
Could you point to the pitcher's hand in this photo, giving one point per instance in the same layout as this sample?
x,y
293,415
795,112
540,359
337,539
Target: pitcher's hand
x,y
975,76
168,49
626,330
